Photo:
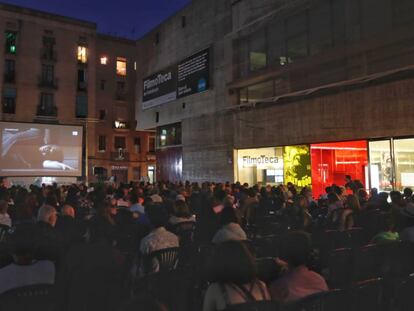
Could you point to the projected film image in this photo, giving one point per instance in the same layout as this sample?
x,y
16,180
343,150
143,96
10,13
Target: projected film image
x,y
29,149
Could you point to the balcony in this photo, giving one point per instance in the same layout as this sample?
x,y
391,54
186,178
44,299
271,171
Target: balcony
x,y
47,111
48,56
10,78
121,96
120,155
82,86
48,83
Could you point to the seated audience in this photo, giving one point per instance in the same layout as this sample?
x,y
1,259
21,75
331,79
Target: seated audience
x,y
299,281
230,226
4,217
25,270
181,213
233,278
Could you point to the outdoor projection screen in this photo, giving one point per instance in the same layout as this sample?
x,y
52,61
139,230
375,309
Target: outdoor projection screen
x,y
29,149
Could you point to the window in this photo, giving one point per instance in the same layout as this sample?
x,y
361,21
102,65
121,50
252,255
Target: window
x,y
9,100
102,143
137,144
320,28
120,142
297,37
48,48
102,114
47,105
121,65
81,106
260,92
136,173
169,135
151,144
82,54
104,60
120,90
257,51
82,80
9,71
11,42
103,82
48,74
402,12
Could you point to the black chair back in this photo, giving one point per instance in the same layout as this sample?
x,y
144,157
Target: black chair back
x,y
34,297
325,301
254,306
185,232
367,295
340,268
403,300
166,258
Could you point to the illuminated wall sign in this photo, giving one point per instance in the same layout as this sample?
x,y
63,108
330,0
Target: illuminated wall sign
x,y
160,88
190,76
249,161
297,165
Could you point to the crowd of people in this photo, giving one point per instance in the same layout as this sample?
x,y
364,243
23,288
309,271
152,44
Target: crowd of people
x,y
91,243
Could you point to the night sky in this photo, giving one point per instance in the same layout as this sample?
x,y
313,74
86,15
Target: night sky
x,y
125,18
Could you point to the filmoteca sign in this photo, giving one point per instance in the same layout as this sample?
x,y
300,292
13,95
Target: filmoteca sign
x,y
189,77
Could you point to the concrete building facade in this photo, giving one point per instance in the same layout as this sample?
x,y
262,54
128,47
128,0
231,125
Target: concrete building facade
x,y
293,73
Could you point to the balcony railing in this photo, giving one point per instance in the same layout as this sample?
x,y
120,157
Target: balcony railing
x,y
120,156
47,55
9,77
82,86
48,83
47,111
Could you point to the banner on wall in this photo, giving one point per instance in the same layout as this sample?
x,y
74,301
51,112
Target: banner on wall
x,y
297,165
191,76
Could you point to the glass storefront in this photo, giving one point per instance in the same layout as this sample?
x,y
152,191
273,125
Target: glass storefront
x,y
260,166
332,161
383,164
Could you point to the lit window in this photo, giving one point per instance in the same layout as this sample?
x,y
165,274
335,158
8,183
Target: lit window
x,y
82,54
121,66
11,37
104,60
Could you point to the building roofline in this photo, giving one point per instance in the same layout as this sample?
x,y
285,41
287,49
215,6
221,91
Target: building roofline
x,y
42,14
168,19
116,38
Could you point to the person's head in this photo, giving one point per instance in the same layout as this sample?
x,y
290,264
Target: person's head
x,y
328,189
396,197
408,192
144,303
68,210
181,209
348,178
332,198
228,215
296,248
47,214
362,195
232,262
373,192
3,206
300,201
157,215
352,202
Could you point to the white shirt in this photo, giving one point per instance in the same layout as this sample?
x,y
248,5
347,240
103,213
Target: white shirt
x,y
5,220
13,275
231,231
158,239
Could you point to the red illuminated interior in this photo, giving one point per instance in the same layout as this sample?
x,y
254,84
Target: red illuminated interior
x,y
332,161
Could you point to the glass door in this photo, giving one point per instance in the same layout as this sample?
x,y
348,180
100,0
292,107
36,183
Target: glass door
x,y
381,165
404,163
